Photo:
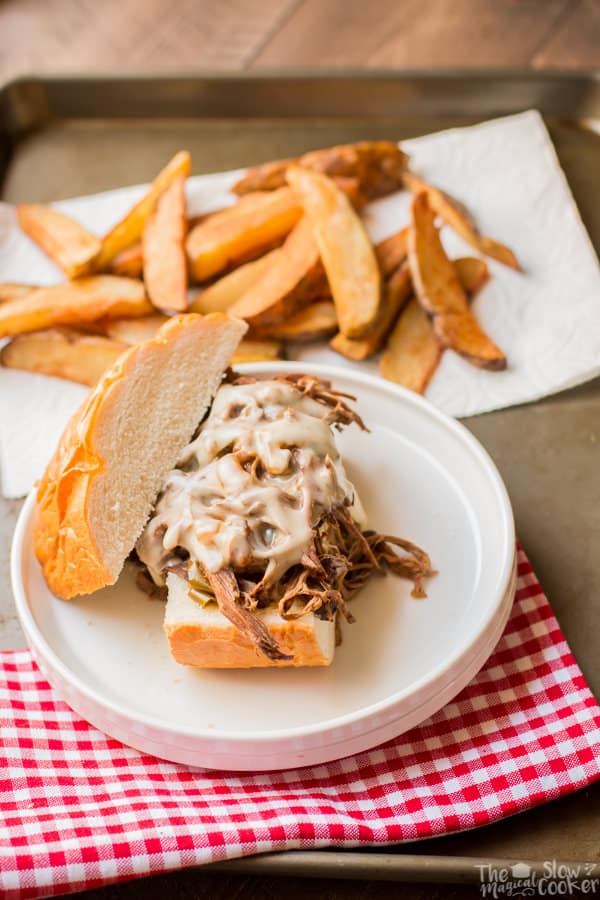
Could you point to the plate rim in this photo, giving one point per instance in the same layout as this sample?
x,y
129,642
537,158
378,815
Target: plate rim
x,y
42,647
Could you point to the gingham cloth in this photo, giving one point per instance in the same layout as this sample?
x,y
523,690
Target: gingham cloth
x,y
79,810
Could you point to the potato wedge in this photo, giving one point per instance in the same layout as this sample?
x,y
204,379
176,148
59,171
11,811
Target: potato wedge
x,y
128,262
221,295
74,303
378,166
294,279
456,216
71,246
413,351
397,290
12,290
133,331
472,273
314,323
241,233
63,353
165,264
441,294
129,230
257,351
391,252
346,251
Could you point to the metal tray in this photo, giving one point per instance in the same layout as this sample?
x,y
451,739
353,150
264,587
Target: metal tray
x,y
61,137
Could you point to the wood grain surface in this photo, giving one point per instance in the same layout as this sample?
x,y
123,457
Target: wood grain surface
x,y
40,36
175,35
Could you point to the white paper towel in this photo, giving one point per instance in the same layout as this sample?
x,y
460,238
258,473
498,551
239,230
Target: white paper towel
x,y
546,319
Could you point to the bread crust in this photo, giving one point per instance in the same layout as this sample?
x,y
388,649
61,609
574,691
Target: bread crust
x,y
64,540
222,646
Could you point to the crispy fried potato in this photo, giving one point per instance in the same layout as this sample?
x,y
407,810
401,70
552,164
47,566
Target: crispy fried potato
x,y
314,323
464,335
391,252
292,281
12,290
71,246
221,295
267,177
63,353
441,294
241,233
378,166
472,273
133,331
128,262
457,217
257,351
397,290
346,251
165,264
73,303
413,351
352,189
129,230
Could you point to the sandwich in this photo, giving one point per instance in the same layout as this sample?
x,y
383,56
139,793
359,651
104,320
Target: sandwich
x,y
228,493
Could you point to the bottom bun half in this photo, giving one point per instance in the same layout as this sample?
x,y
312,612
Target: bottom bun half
x,y
200,635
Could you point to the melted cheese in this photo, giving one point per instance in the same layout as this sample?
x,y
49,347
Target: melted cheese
x,y
252,485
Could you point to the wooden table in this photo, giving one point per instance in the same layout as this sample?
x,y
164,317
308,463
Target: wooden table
x,y
175,35
162,35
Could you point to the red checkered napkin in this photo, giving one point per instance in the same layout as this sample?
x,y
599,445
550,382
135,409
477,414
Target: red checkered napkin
x,y
78,810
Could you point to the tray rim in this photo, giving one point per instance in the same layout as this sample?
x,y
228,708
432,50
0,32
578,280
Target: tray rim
x,y
311,73
427,867
451,76
384,866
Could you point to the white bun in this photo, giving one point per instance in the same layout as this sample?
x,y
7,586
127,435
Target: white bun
x,y
100,486
201,636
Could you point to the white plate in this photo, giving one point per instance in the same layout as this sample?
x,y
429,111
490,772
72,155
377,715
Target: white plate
x,y
420,475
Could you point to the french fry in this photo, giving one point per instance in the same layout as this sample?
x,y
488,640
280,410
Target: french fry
x,y
391,252
129,230
74,303
165,265
294,279
440,292
71,246
257,351
241,233
456,216
314,323
63,353
397,290
378,166
413,351
133,331
12,290
268,176
128,262
352,189
221,295
346,251
472,273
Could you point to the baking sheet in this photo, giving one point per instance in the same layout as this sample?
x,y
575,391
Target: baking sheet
x,y
77,136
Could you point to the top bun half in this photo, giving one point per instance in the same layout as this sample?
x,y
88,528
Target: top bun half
x,y
99,487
